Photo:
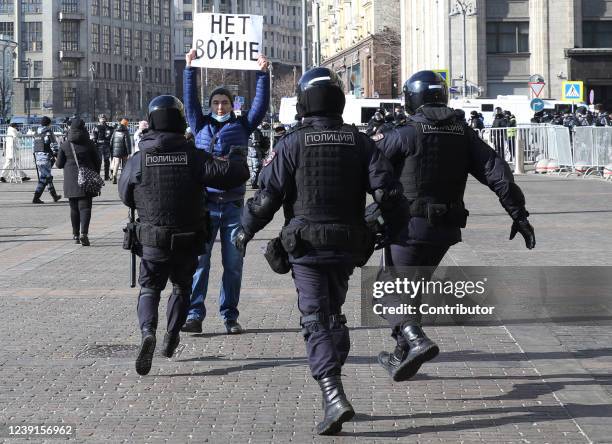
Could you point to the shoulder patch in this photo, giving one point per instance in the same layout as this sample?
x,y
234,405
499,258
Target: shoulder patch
x,y
451,128
269,158
377,137
330,138
165,159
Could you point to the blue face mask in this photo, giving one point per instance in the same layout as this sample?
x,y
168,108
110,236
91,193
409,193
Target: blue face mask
x,y
223,118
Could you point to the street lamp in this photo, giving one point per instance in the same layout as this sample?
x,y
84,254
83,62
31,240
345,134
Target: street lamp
x,y
140,71
92,71
464,8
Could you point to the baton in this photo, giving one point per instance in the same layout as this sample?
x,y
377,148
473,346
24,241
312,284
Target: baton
x,y
36,167
132,255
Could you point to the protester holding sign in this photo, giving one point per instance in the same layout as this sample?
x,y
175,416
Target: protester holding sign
x,y
217,132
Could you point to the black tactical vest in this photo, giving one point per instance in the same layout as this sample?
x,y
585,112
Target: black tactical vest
x,y
437,171
169,199
330,176
42,142
103,134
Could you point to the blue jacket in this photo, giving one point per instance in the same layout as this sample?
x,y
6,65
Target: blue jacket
x,y
234,132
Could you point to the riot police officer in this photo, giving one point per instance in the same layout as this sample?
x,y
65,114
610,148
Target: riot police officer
x,y
432,155
102,135
375,122
45,152
320,173
258,147
165,181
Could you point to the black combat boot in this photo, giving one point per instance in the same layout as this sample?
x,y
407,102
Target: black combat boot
x,y
145,355
171,341
405,362
337,408
55,196
84,240
36,199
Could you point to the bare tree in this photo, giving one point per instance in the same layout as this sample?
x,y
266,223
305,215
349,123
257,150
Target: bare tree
x,y
283,85
387,51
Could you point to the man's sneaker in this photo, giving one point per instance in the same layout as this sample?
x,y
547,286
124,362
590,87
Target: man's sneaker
x,y
171,341
145,355
192,326
233,327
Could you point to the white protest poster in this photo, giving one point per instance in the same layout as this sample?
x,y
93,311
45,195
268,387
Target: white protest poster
x,y
229,41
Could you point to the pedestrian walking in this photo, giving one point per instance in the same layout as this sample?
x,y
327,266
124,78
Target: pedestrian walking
x,y
121,146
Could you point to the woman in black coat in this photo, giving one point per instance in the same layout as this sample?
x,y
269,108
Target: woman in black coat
x,y
121,146
87,155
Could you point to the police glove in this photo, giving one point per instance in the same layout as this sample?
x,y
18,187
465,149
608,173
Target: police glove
x,y
241,240
524,227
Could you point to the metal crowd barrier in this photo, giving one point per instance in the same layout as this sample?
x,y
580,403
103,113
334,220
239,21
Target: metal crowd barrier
x,y
592,148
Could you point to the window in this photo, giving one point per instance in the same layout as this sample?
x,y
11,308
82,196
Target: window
x,y
38,68
106,39
127,42
507,37
95,37
105,8
166,12
157,45
137,43
70,36
188,33
597,34
33,94
70,5
31,36
146,11
136,10
70,68
95,7
7,28
166,47
6,7
127,10
187,16
117,9
31,6
69,97
117,41
147,45
156,12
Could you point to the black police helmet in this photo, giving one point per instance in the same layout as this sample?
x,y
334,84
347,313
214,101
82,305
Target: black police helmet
x,y
425,88
167,113
320,93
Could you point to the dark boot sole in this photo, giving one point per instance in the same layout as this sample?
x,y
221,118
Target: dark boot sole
x,y
335,426
409,368
191,329
145,356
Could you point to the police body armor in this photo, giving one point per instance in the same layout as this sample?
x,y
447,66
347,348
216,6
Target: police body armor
x,y
329,181
103,134
434,178
171,204
43,142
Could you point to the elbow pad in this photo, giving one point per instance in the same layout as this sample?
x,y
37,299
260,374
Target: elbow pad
x,y
263,206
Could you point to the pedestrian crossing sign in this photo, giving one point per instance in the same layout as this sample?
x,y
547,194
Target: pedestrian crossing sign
x,y
443,73
573,91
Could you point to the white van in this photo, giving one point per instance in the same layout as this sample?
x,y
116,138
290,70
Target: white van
x,y
356,111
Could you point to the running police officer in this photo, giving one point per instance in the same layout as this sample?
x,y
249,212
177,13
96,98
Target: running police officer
x,y
320,173
101,135
432,155
165,181
45,152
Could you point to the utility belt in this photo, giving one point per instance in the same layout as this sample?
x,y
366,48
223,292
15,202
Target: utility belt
x,y
355,239
173,239
453,214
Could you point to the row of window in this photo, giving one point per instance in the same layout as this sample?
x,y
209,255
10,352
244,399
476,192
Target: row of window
x,y
136,43
116,71
156,12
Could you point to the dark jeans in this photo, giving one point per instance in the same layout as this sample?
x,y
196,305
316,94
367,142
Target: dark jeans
x,y
80,214
426,257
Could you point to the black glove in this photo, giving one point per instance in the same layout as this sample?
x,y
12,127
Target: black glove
x,y
376,224
524,227
241,240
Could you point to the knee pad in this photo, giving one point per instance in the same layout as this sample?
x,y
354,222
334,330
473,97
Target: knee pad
x,y
313,323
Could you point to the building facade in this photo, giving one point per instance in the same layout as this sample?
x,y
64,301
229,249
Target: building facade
x,y
360,41
89,57
507,41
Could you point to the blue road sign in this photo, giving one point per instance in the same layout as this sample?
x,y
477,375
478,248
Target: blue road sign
x,y
537,105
